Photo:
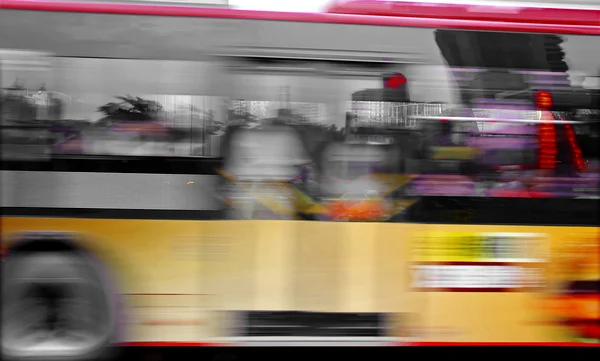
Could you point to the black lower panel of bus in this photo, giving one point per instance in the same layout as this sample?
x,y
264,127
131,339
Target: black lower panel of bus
x,y
224,353
310,324
115,164
487,210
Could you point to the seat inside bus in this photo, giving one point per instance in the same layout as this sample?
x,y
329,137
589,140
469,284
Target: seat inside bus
x,y
272,152
348,168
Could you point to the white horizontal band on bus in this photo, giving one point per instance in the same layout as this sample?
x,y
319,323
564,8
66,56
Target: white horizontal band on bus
x,y
16,68
470,276
311,341
496,120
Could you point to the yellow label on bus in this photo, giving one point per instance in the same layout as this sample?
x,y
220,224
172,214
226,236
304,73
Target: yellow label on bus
x,y
457,153
439,246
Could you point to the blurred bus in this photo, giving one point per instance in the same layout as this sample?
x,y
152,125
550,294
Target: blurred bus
x,y
227,177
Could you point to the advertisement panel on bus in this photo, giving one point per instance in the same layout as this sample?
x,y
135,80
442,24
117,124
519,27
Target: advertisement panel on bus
x,y
508,284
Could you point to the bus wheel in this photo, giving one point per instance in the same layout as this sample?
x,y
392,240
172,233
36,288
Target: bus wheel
x,y
56,306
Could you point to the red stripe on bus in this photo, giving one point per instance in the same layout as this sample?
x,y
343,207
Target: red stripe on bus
x,y
459,22
399,344
502,344
484,12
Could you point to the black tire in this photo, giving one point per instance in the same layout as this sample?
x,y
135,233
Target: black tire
x,y
57,306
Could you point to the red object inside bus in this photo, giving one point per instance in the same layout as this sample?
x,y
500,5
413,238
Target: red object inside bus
x,y
576,157
395,81
548,137
547,143
543,100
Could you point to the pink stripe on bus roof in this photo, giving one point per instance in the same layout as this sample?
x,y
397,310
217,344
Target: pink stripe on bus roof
x,y
454,19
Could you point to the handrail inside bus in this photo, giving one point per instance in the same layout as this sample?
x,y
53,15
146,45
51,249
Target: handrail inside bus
x,y
499,120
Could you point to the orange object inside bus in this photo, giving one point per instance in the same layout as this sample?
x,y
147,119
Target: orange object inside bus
x,y
363,210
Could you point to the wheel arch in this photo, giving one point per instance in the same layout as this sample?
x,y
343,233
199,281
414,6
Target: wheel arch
x,y
80,245
76,243
34,242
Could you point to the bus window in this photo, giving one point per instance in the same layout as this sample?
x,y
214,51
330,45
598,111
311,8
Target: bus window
x,y
26,106
119,107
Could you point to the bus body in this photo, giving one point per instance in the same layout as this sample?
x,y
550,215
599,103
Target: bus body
x,y
235,177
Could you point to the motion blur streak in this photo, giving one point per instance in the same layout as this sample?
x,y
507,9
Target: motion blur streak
x,y
380,174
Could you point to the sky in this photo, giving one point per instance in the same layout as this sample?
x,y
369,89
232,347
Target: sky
x,y
281,5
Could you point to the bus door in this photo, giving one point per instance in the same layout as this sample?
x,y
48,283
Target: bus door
x,y
287,116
